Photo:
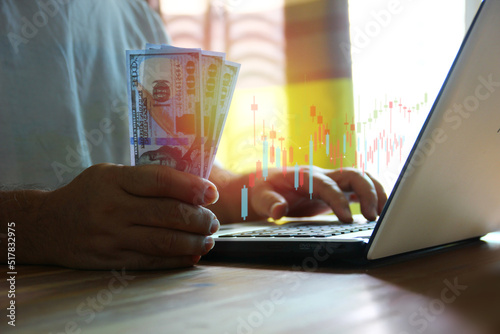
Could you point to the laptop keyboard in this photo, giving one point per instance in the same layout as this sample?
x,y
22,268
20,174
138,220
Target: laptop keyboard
x,y
303,231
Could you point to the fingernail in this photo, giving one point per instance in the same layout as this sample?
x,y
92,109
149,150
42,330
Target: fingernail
x,y
214,226
211,194
275,210
209,244
274,207
348,214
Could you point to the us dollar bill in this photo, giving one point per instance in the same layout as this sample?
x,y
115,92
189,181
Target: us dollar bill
x,y
166,120
230,73
212,68
179,102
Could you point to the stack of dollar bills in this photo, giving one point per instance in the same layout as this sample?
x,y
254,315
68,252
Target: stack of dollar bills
x,y
178,101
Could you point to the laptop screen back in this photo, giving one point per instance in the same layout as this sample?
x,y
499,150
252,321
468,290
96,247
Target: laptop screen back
x,y
449,189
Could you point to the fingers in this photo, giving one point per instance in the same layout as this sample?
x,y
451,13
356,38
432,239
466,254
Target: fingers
x,y
326,189
369,191
268,203
163,242
328,186
268,198
362,185
162,181
164,227
381,194
171,214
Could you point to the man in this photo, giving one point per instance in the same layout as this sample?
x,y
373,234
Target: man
x,y
63,109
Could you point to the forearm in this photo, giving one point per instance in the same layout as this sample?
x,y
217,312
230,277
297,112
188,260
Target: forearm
x,y
20,214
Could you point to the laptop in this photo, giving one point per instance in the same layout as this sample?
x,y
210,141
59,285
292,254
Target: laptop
x,y
448,190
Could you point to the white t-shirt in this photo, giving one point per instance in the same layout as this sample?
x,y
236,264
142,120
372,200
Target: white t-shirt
x,y
63,85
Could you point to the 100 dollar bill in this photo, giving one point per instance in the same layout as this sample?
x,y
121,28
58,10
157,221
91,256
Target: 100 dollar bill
x,y
165,99
230,73
214,91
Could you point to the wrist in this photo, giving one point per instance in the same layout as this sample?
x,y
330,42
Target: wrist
x,y
227,186
228,208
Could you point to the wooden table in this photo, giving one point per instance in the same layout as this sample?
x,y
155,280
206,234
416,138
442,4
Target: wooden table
x,y
453,291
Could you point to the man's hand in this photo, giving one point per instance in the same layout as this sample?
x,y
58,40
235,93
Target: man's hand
x,y
277,197
143,217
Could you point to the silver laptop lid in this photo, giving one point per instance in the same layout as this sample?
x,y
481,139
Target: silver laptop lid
x,y
449,189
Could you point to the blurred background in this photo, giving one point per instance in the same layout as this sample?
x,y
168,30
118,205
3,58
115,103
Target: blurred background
x,y
350,81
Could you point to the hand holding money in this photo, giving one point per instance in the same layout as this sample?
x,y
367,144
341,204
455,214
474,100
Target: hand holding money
x,y
179,100
111,216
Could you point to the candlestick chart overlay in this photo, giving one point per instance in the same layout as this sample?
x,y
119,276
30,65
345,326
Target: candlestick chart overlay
x,y
379,139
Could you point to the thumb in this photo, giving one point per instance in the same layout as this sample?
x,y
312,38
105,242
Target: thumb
x,y
268,203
